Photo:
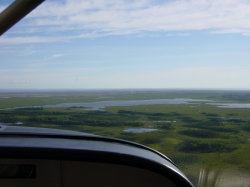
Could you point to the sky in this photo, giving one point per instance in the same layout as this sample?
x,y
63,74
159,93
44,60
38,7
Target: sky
x,y
99,44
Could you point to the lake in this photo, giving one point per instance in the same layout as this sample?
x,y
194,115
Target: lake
x,y
231,105
100,105
139,130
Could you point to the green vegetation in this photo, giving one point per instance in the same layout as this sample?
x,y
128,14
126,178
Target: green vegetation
x,y
194,136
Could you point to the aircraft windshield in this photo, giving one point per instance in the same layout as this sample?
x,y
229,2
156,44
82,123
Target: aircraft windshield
x,y
170,74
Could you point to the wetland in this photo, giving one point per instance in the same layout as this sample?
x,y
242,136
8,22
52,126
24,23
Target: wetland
x,y
190,127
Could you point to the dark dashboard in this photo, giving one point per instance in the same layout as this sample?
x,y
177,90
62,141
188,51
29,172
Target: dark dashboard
x,y
45,157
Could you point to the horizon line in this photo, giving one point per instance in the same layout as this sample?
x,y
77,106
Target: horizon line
x,y
122,89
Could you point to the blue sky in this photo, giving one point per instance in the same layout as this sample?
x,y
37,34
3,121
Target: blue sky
x,y
83,44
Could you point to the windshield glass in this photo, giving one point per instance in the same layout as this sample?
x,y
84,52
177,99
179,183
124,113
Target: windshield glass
x,y
173,75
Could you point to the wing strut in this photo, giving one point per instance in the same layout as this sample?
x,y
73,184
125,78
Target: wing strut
x,y
15,12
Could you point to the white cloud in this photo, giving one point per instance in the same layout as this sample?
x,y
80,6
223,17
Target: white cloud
x,y
245,32
91,18
27,39
57,55
171,15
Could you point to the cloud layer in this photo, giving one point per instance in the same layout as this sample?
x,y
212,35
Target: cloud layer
x,y
65,20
